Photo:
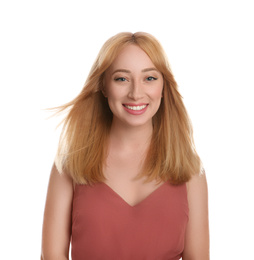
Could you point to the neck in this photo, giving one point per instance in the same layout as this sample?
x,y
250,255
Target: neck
x,y
131,137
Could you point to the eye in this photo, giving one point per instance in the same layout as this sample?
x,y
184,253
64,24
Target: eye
x,y
120,79
151,78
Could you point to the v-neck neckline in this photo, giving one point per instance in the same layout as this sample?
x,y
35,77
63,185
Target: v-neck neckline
x,y
149,196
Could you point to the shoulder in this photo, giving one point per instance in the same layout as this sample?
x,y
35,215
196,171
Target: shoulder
x,y
57,215
197,232
61,180
197,193
197,183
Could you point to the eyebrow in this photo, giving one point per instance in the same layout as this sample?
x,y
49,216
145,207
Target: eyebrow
x,y
128,71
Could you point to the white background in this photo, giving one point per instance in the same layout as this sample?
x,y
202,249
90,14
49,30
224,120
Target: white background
x,y
47,49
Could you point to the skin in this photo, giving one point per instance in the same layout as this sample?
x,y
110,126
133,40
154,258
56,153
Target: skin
x,y
132,80
56,231
197,232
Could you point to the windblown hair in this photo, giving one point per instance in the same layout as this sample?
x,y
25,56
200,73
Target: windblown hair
x,y
83,142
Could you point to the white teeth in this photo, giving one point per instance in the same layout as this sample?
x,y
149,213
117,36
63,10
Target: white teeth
x,y
136,107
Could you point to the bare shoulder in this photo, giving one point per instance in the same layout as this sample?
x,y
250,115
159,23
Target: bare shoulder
x,y
197,230
60,179
57,216
197,184
197,192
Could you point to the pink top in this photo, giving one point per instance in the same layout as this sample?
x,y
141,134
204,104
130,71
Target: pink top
x,y
106,227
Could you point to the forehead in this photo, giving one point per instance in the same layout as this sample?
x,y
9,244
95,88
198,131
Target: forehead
x,y
132,58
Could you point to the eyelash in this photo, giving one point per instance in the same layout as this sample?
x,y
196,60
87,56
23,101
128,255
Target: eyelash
x,y
151,78
122,79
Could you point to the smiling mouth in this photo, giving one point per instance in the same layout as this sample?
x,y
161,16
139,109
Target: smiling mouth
x,y
136,108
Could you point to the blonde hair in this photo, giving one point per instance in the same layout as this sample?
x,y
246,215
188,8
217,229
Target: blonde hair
x,y
83,142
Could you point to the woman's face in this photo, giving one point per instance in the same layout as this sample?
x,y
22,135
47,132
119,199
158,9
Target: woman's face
x,y
133,87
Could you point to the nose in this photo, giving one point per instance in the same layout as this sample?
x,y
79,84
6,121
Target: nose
x,y
136,91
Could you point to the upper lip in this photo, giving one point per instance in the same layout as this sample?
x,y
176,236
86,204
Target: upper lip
x,y
135,105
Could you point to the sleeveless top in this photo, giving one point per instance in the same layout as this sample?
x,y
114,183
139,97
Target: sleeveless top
x,y
104,226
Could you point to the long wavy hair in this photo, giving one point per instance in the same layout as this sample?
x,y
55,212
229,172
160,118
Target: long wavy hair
x,y
83,142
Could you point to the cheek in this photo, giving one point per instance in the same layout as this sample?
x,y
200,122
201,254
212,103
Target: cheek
x,y
114,97
157,92
114,94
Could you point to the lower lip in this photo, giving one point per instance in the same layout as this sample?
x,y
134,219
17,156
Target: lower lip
x,y
135,112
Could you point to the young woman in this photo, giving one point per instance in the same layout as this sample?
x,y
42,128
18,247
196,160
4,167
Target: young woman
x,y
127,182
